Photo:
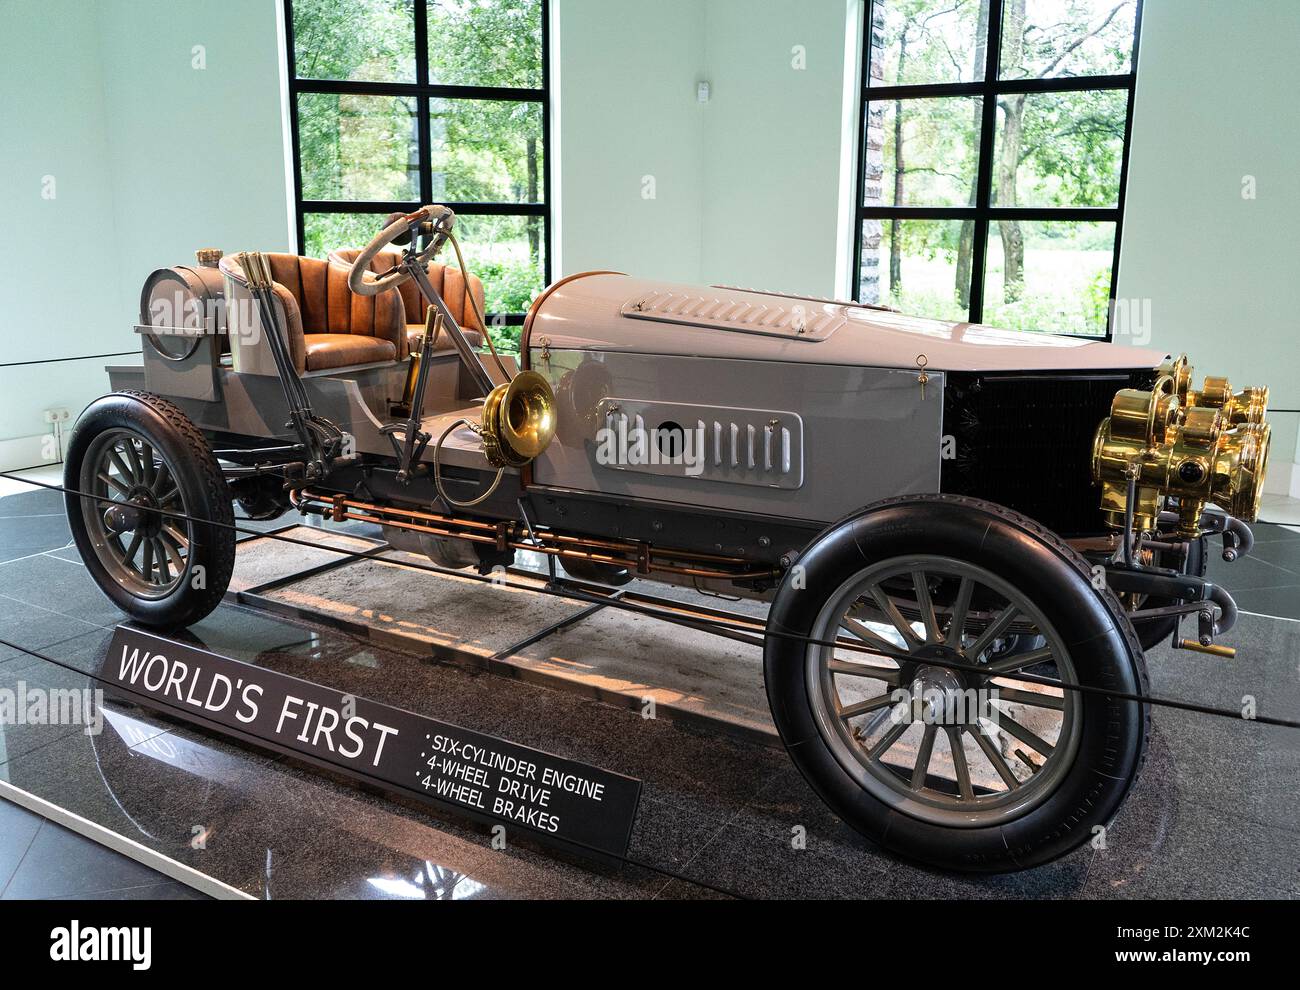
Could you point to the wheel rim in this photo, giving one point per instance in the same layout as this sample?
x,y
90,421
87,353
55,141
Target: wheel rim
x,y
144,551
953,748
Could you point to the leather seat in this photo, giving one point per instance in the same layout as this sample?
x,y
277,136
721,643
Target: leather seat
x,y
326,324
448,281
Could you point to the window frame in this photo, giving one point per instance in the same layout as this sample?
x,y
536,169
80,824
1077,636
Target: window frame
x,y
422,91
983,213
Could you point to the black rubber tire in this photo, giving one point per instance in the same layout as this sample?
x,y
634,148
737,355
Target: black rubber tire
x,y
1152,634
203,489
1103,647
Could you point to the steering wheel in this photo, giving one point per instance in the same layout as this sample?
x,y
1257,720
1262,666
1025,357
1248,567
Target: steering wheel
x,y
433,221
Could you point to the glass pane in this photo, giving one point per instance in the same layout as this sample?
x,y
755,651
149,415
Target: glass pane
x,y
486,151
369,40
485,43
928,41
921,152
1059,149
325,232
1049,275
358,147
921,267
508,254
1042,38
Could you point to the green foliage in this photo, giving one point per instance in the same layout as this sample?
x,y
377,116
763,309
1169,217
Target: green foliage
x,y
357,148
1067,147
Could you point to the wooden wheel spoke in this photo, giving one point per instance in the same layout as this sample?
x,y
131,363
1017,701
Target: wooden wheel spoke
x,y
892,736
129,554
1009,725
923,757
112,483
862,707
1031,698
995,757
161,480
1021,660
895,617
181,540
991,632
926,606
960,606
890,675
959,764
878,643
123,469
146,561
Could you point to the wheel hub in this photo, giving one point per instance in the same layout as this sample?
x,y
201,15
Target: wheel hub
x,y
940,696
136,515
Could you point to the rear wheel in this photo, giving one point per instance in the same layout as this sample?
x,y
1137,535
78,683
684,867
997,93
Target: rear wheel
x,y
157,534
964,769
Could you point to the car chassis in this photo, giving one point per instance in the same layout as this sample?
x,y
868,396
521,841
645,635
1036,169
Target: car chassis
x,y
932,586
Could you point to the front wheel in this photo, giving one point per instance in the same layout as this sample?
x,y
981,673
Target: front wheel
x,y
149,509
992,769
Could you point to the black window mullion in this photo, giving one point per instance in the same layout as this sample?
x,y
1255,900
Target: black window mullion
x,y
423,92
984,167
424,138
546,149
983,213
1123,171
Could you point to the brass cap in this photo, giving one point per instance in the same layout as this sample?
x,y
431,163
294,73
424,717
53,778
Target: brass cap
x,y
208,257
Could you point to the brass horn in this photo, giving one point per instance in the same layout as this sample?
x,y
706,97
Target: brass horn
x,y
518,420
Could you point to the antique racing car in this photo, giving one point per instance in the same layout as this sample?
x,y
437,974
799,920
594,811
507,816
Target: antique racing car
x,y
967,536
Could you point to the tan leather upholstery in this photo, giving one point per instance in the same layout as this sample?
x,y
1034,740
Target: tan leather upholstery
x,y
328,326
335,350
448,281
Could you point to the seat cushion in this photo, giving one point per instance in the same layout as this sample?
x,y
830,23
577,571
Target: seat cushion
x,y
414,331
337,350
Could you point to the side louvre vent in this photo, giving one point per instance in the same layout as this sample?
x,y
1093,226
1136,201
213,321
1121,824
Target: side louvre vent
x,y
761,447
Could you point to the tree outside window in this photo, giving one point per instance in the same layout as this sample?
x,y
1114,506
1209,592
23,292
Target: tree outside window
x,y
402,102
993,157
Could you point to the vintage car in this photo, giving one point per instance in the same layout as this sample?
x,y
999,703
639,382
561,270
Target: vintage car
x,y
967,535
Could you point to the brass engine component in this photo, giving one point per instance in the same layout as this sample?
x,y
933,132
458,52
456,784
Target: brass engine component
x,y
1196,446
518,420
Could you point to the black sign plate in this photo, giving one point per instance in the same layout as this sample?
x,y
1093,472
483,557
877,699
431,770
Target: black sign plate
x,y
487,778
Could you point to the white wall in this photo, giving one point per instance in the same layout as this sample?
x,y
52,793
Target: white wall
x,y
60,290
745,185
1217,102
630,126
151,158
772,142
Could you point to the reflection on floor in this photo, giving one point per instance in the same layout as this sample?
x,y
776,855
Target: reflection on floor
x,y
1215,813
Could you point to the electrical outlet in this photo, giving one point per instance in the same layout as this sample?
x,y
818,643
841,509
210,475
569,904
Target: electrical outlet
x,y
57,415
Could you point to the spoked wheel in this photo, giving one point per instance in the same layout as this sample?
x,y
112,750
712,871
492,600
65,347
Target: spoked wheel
x,y
943,743
149,509
928,711
142,548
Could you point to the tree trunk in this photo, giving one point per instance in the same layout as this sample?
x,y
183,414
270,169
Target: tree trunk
x,y
966,243
1013,120
895,228
533,223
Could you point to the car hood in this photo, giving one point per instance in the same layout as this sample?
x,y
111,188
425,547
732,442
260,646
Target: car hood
x,y
608,311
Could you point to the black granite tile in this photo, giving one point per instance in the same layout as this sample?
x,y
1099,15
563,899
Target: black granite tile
x,y
667,837
1201,854
18,827
62,863
1270,533
682,890
40,502
60,586
22,536
167,890
40,704
32,628
1282,601
756,865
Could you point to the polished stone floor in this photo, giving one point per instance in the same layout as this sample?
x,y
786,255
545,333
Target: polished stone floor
x,y
1215,813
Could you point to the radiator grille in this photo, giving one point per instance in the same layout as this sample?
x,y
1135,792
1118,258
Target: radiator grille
x,y
1025,441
